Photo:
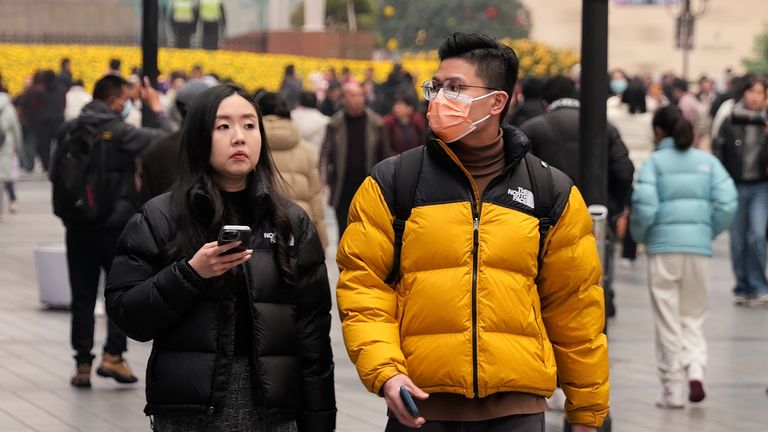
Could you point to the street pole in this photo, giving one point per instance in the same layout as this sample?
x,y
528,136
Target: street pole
x,y
149,53
593,149
686,21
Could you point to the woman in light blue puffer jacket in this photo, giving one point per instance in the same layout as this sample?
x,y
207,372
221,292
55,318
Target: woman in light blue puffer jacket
x,y
682,199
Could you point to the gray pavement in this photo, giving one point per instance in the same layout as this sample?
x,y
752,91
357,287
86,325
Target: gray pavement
x,y
36,362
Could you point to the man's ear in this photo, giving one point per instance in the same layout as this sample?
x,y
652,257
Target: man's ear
x,y
500,101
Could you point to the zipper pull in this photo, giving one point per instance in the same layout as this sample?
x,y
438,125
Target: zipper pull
x,y
477,224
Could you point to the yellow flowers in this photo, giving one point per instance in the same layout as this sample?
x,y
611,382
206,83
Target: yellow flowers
x,y
250,70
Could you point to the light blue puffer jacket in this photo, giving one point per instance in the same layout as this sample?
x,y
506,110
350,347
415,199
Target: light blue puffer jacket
x,y
681,201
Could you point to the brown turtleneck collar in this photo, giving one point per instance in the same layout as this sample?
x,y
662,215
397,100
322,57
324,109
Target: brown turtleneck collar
x,y
484,162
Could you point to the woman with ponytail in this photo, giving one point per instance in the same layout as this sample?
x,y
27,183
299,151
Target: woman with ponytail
x,y
240,331
682,199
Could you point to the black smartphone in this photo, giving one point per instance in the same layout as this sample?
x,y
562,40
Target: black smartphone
x,y
405,395
233,233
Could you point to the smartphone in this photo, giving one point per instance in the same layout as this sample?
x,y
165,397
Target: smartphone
x,y
405,395
233,233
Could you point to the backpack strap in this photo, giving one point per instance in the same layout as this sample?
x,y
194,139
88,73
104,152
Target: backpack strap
x,y
543,197
407,170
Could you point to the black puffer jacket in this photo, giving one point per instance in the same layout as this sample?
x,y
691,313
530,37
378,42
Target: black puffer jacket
x,y
554,138
192,322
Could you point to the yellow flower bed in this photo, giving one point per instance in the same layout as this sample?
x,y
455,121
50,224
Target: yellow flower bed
x,y
251,70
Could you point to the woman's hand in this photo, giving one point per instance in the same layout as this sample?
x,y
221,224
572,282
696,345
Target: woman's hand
x,y
210,262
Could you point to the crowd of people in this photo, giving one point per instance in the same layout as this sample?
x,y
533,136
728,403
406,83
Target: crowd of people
x,y
468,202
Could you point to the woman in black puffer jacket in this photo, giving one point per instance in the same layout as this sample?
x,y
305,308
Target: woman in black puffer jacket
x,y
241,340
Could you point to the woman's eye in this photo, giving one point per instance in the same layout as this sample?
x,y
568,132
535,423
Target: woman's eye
x,y
222,127
250,125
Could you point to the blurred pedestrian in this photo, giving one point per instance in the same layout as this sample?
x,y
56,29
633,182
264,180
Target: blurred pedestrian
x,y
53,100
743,150
683,198
291,87
11,140
214,22
91,236
160,163
355,141
76,99
240,330
405,127
310,121
65,74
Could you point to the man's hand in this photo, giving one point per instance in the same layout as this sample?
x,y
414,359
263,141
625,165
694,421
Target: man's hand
x,y
396,405
582,428
150,96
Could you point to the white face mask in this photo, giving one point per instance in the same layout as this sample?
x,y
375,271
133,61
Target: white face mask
x,y
449,118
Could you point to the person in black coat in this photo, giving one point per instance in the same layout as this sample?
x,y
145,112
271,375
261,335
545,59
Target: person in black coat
x,y
240,331
554,138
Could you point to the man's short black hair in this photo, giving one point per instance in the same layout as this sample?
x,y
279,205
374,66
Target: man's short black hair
x,y
495,63
308,99
114,64
109,86
558,87
680,84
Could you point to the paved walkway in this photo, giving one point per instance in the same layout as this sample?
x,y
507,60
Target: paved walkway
x,y
35,358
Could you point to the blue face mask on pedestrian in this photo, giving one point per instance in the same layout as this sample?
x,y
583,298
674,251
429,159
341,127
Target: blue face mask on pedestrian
x,y
127,108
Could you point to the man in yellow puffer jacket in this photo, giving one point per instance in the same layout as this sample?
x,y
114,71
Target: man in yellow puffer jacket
x,y
475,329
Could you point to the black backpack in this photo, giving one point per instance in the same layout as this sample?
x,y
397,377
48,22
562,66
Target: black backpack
x,y
83,189
407,170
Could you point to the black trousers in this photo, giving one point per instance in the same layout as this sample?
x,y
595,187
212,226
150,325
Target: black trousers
x,y
513,423
210,35
182,34
89,251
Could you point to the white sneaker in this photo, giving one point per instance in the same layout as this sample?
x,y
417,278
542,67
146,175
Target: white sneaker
x,y
760,300
670,398
556,402
741,300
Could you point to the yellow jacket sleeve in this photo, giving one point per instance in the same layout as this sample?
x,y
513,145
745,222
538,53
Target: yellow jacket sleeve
x,y
368,306
573,313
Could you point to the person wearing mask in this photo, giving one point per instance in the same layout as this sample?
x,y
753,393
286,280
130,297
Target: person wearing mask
x,y
355,141
240,330
405,127
487,308
310,121
91,244
683,198
159,163
295,161
743,150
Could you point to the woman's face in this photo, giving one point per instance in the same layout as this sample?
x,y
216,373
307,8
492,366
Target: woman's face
x,y
235,144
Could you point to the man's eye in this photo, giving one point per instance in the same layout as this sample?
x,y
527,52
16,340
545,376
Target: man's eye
x,y
451,86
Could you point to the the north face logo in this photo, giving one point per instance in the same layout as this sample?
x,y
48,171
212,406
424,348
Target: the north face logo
x,y
271,236
523,196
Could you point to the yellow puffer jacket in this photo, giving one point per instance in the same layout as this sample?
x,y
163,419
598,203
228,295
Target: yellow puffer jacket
x,y
467,315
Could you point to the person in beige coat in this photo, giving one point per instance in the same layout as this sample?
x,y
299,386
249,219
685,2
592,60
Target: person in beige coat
x,y
295,160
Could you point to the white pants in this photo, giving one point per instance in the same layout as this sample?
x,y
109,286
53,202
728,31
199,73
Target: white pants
x,y
678,285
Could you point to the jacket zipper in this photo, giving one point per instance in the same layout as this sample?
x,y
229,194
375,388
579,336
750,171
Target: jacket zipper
x,y
476,205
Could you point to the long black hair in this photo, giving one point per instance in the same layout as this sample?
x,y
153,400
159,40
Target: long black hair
x,y
195,176
672,124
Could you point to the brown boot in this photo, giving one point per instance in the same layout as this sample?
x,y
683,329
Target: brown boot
x,y
82,376
114,366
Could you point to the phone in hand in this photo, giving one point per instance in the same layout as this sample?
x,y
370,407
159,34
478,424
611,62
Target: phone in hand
x,y
233,233
405,395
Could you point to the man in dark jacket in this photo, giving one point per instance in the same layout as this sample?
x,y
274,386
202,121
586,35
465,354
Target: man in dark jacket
x,y
159,164
91,246
554,138
354,142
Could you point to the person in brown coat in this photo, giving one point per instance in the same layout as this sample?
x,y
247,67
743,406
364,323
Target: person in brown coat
x,y
295,160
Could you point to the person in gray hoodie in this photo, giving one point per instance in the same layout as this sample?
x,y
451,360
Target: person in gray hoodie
x,y
91,246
